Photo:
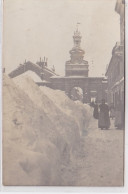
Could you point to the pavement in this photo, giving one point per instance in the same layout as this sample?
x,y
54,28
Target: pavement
x,y
99,158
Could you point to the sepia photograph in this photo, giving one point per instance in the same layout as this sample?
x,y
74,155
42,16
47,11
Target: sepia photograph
x,y
63,90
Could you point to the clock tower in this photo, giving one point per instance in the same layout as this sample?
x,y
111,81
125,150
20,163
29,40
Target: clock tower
x,y
76,66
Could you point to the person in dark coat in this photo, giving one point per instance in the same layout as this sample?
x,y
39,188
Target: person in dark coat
x,y
96,112
104,120
92,104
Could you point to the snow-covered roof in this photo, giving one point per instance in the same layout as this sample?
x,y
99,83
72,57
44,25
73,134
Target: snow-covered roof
x,y
55,76
50,71
75,76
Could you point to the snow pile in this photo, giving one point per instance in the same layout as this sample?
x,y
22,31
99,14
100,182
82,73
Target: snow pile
x,y
75,109
40,132
28,157
32,75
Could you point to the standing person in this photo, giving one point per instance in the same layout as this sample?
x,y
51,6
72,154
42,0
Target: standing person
x,y
92,104
96,112
112,111
104,120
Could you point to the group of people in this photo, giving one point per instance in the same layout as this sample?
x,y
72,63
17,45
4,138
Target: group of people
x,y
103,113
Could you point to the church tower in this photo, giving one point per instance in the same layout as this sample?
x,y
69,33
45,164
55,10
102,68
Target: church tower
x,y
76,66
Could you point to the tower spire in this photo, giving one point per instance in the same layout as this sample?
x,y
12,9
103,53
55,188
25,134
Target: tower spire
x,y
76,65
77,37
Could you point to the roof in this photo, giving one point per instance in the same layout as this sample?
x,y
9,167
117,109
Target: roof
x,y
78,77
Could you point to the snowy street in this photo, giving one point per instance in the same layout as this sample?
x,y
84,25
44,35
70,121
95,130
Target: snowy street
x,y
48,139
63,93
99,159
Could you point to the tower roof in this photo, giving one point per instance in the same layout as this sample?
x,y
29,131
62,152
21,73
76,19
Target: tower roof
x,y
77,38
77,66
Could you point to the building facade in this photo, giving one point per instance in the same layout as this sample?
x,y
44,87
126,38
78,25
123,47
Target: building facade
x,y
115,69
76,76
94,88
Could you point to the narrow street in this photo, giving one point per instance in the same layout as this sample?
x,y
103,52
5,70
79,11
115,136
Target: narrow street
x,y
63,67
99,158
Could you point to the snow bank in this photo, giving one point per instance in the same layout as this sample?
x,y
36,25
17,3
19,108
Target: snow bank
x,y
30,74
28,157
75,109
41,127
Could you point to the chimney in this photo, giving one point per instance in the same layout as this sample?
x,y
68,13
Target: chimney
x,y
46,61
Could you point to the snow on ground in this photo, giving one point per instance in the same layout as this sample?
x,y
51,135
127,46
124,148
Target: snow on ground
x,y
99,159
27,141
81,113
50,140
38,136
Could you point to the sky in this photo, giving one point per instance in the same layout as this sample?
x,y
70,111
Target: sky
x,y
38,28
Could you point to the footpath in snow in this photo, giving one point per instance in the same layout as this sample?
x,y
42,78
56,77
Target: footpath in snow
x,y
99,161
